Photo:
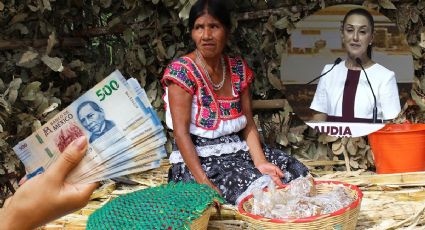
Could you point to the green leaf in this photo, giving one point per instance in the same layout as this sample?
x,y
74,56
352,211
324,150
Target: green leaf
x,y
152,91
171,50
114,21
282,140
414,15
46,5
5,107
144,13
76,64
2,86
20,27
141,55
28,59
184,12
274,81
129,3
35,125
282,23
15,84
422,42
49,109
73,91
176,31
128,36
387,4
33,8
417,97
51,42
54,63
30,91
416,51
13,94
160,48
18,18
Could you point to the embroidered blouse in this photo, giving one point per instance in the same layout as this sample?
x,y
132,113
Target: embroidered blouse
x,y
211,116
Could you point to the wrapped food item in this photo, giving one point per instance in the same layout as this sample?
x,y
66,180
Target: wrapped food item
x,y
303,207
258,203
336,199
300,200
302,186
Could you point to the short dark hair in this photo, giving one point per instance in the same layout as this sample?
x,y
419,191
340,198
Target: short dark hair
x,y
368,16
93,104
215,8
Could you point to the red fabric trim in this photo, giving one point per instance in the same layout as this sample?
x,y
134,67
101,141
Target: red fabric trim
x,y
249,76
230,118
177,82
190,75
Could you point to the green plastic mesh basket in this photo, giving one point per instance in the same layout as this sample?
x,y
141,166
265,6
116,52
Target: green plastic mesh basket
x,y
171,206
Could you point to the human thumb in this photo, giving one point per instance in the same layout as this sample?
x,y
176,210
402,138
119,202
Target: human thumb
x,y
69,158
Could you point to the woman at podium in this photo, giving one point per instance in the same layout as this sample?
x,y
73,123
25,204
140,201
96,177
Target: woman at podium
x,y
356,89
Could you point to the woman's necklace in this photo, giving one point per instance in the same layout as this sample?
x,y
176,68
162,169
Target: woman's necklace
x,y
215,86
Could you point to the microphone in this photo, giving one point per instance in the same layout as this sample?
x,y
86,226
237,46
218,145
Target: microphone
x,y
336,62
375,109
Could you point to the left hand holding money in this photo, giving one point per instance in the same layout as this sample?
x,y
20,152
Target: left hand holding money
x,y
48,196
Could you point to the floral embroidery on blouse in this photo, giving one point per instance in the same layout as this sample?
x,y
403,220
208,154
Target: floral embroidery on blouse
x,y
177,72
230,109
185,73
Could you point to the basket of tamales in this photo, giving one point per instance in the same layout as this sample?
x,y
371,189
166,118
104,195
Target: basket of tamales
x,y
303,204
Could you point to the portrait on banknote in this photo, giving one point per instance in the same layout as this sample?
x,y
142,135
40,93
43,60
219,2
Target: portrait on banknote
x,y
92,117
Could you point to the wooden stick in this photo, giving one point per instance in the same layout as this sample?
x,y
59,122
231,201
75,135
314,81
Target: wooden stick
x,y
397,179
314,163
268,104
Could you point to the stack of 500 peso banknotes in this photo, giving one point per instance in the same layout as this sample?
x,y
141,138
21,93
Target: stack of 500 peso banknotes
x,y
125,135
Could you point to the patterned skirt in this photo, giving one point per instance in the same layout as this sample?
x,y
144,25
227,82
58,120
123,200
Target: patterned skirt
x,y
234,172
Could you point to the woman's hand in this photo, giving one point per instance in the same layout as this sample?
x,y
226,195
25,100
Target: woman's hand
x,y
48,196
272,170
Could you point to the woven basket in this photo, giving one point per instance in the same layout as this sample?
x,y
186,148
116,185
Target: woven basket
x,y
201,223
345,218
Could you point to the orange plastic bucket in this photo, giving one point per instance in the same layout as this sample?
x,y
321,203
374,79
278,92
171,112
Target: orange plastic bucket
x,y
399,148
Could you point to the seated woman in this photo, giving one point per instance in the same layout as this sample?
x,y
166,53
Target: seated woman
x,y
208,106
344,94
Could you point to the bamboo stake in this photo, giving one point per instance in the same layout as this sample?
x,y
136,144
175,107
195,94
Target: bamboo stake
x,y
268,104
398,179
314,163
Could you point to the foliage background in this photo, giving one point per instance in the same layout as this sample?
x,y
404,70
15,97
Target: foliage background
x,y
52,51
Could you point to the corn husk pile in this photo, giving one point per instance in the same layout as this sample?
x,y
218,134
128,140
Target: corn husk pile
x,y
390,201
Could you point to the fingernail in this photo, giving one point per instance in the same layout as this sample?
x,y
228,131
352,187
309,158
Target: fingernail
x,y
80,142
